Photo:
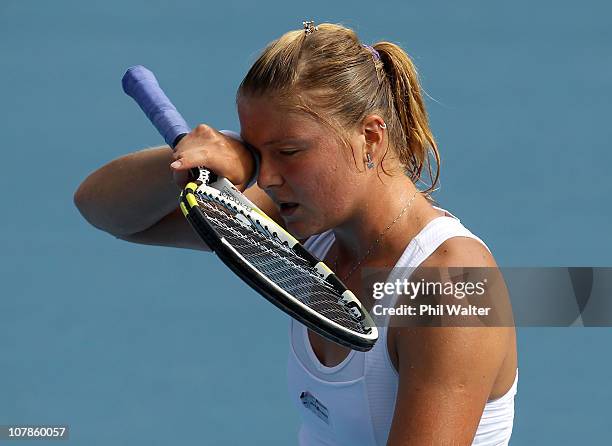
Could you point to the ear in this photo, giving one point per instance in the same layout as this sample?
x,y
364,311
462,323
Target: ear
x,y
374,131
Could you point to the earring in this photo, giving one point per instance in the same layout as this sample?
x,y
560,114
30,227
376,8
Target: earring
x,y
370,164
383,125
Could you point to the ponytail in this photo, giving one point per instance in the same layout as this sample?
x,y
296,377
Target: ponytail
x,y
409,124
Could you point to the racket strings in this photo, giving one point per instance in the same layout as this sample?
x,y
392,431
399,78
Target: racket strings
x,y
280,264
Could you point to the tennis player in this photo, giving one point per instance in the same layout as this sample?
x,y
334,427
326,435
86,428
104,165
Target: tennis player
x,y
341,138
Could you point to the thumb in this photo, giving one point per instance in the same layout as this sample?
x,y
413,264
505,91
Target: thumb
x,y
178,164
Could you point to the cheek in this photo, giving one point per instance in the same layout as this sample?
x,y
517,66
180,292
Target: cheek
x,y
332,188
319,180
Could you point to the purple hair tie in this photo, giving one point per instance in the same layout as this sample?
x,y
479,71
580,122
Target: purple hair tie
x,y
372,50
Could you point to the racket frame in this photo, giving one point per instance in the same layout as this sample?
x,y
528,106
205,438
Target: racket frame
x,y
224,192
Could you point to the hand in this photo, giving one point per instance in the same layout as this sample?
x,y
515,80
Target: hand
x,y
205,146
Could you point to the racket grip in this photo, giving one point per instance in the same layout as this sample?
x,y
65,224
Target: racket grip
x,y
140,83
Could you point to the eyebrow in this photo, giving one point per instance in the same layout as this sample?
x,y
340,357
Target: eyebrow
x,y
278,141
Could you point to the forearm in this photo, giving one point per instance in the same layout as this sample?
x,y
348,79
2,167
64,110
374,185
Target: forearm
x,y
129,194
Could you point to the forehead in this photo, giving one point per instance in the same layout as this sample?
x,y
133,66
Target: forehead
x,y
264,120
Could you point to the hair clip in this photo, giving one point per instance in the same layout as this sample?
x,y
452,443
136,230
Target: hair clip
x,y
309,27
375,54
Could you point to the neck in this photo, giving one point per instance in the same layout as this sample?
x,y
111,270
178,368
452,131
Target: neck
x,y
386,220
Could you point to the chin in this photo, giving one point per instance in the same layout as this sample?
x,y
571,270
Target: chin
x,y
298,230
302,230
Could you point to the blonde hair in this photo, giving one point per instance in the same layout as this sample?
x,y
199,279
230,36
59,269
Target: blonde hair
x,y
331,75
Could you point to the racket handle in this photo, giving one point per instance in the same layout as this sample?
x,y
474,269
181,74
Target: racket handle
x,y
141,84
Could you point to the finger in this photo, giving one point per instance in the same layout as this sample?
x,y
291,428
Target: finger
x,y
189,159
203,130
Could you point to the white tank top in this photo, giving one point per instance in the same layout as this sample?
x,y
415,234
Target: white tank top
x,y
353,402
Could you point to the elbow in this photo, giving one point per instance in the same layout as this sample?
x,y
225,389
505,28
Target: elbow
x,y
85,201
102,212
82,200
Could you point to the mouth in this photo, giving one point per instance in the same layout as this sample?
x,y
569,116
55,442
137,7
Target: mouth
x,y
287,208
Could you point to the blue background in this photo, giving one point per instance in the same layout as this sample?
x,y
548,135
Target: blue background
x,y
95,333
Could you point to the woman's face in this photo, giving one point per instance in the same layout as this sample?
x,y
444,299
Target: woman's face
x,y
304,168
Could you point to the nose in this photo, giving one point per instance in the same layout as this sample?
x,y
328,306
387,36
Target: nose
x,y
269,174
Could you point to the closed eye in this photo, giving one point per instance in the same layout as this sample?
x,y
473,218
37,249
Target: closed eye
x,y
289,152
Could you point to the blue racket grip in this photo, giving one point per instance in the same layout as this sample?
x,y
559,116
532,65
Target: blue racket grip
x,y
141,84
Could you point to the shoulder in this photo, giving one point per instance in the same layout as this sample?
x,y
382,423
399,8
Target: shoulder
x,y
460,251
458,246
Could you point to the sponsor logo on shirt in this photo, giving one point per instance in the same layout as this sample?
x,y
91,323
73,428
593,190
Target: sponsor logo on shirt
x,y
315,406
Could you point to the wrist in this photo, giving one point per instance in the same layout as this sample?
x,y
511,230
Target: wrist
x,y
254,154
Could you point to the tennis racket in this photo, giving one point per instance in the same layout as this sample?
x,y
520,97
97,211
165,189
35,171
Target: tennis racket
x,y
250,243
